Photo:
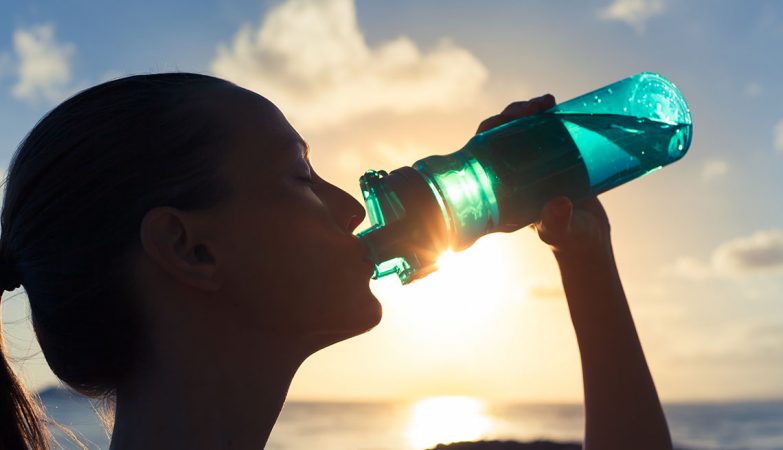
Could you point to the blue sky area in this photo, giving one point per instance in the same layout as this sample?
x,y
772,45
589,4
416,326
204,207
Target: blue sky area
x,y
700,244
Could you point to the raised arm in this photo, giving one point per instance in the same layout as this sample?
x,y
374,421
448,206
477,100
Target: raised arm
x,y
621,404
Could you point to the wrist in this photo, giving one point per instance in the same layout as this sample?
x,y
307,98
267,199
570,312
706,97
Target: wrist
x,y
589,276
584,257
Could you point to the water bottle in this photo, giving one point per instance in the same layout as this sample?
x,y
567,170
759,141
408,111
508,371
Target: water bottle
x,y
501,179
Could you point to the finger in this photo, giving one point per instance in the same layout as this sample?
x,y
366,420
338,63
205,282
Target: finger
x,y
555,223
532,106
516,110
596,210
492,122
546,101
520,109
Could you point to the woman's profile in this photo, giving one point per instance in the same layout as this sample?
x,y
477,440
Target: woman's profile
x,y
182,256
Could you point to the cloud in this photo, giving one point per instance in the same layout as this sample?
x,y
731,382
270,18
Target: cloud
x,y
753,89
310,58
692,268
354,159
743,344
758,253
779,135
635,13
761,251
43,65
714,169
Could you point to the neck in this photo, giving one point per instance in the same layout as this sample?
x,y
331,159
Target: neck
x,y
198,397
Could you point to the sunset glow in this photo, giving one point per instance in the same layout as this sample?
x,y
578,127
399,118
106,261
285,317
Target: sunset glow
x,y
444,420
380,85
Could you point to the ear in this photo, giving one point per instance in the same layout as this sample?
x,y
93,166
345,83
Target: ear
x,y
171,238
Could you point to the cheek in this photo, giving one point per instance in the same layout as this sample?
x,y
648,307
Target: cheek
x,y
287,271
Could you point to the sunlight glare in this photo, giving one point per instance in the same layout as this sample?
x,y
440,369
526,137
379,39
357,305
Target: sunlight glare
x,y
453,311
436,420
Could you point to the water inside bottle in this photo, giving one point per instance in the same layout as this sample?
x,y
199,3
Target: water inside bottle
x,y
575,155
616,148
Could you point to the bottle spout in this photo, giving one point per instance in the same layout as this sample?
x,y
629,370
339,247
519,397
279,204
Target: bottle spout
x,y
408,232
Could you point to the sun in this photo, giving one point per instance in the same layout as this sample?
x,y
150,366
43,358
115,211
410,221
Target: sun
x,y
460,301
436,420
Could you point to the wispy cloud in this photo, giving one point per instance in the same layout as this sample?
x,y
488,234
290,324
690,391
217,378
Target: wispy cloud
x,y
753,89
779,135
310,57
714,169
635,13
692,268
759,343
758,253
43,65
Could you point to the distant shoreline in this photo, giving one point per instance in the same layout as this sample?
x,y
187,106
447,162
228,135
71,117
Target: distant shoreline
x,y
514,445
747,425
509,445
54,390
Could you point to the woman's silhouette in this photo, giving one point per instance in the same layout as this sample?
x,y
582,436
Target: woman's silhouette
x,y
181,254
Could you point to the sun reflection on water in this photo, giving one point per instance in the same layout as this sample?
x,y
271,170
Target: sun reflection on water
x,y
436,420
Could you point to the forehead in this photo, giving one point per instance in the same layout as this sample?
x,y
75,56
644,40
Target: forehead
x,y
259,136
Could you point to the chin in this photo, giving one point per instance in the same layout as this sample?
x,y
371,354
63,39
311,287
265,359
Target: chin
x,y
364,318
374,315
357,321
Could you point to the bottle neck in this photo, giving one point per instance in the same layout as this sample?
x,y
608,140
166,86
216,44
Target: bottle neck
x,y
465,192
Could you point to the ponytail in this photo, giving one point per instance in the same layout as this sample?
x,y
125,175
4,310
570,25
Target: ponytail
x,y
21,418
76,191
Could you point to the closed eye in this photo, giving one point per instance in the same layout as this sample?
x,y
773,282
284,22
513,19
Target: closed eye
x,y
308,180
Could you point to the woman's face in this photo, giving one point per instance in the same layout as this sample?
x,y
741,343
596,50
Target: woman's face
x,y
291,265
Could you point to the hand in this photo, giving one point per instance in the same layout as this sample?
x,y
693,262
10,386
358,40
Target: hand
x,y
575,230
516,110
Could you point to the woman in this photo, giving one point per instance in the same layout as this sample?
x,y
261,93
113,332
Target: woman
x,y
181,254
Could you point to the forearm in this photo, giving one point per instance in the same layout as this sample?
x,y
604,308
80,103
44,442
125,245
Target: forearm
x,y
621,404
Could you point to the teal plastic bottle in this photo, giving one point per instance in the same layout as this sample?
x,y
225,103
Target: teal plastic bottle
x,y
501,178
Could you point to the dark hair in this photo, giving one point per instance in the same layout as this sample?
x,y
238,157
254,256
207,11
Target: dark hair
x,y
77,190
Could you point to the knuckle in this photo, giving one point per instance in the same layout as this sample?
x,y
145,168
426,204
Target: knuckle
x,y
485,122
515,108
491,122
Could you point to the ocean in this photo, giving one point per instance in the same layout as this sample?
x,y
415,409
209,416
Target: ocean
x,y
423,424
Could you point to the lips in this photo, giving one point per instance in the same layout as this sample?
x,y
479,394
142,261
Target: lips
x,y
370,269
370,265
365,257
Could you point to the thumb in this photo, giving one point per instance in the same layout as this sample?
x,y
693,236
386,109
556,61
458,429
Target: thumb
x,y
555,220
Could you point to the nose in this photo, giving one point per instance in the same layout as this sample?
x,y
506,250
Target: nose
x,y
347,211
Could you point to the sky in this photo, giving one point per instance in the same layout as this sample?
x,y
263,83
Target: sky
x,y
374,84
